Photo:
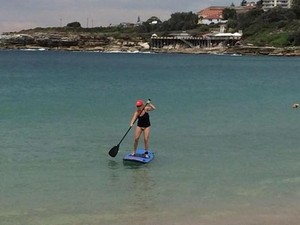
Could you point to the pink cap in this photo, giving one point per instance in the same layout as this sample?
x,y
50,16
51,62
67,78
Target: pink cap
x,y
139,103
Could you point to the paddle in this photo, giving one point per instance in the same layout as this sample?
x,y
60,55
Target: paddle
x,y
114,150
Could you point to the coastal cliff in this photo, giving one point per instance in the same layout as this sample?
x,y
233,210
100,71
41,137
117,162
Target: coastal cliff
x,y
65,41
71,42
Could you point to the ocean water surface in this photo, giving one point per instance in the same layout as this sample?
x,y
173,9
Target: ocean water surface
x,y
225,138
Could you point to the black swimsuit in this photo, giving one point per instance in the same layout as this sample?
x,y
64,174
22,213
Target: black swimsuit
x,y
144,121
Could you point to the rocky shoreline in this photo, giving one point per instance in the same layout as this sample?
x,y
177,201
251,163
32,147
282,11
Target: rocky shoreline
x,y
102,43
239,50
70,42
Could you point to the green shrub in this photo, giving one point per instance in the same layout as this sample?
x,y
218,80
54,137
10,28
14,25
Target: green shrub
x,y
280,40
294,38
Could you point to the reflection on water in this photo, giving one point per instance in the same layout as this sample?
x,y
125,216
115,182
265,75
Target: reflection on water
x,y
114,167
133,165
138,185
112,164
143,194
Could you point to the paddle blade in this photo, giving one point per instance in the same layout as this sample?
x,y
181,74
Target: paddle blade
x,y
114,151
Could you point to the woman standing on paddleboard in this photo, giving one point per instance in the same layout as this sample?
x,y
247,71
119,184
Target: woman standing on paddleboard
x,y
143,124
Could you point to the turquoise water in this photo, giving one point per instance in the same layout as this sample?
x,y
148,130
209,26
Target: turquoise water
x,y
225,138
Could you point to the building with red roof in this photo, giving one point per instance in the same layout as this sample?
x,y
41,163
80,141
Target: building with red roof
x,y
211,15
214,14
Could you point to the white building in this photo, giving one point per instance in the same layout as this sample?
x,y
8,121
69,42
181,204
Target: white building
x,y
270,4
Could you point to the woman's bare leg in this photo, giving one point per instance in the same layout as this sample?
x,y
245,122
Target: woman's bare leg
x,y
137,135
146,138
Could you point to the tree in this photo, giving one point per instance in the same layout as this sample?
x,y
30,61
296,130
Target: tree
x,y
153,20
247,19
74,25
278,14
244,3
259,4
182,21
232,25
296,7
229,13
294,38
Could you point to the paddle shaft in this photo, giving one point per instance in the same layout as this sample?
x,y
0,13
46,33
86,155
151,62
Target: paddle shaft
x,y
124,135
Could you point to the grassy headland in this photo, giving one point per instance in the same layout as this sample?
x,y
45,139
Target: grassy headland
x,y
276,28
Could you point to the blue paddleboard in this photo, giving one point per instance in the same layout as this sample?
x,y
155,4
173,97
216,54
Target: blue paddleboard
x,y
139,156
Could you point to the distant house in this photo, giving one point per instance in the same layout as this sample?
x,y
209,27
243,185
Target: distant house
x,y
126,25
211,15
214,14
243,9
269,4
250,4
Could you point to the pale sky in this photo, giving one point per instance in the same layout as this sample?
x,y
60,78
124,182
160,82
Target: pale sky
x,y
16,15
